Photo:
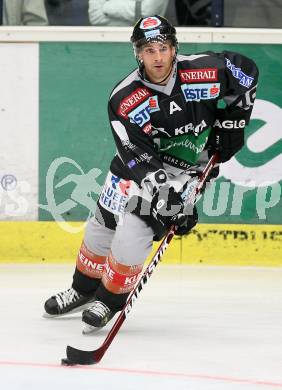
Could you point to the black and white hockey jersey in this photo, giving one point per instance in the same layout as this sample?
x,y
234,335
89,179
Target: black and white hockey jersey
x,y
156,125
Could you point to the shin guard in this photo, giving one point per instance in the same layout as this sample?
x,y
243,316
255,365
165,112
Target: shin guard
x,y
119,278
90,264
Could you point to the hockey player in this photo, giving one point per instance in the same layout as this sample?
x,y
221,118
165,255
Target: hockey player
x,y
165,119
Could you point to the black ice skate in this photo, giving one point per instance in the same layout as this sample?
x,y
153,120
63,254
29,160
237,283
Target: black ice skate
x,y
65,302
96,317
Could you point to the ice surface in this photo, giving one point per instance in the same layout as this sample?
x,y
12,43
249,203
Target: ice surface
x,y
192,328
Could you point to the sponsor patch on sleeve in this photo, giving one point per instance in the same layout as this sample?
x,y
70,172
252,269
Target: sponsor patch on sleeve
x,y
134,99
244,80
141,114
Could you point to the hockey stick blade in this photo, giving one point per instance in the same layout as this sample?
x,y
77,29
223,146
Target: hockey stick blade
x,y
78,356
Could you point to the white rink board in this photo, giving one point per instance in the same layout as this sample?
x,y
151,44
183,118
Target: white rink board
x,y
192,328
123,34
19,73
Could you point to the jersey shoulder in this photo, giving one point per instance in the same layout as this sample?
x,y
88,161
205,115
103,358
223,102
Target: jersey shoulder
x,y
126,85
206,59
128,94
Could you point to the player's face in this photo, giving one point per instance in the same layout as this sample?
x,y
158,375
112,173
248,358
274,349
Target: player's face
x,y
157,58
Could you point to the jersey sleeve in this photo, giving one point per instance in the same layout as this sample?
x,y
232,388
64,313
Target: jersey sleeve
x,y
241,78
134,143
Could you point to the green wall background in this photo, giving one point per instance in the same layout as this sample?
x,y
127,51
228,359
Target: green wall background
x,y
76,80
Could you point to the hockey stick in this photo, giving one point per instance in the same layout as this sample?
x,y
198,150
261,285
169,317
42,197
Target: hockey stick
x,y
77,356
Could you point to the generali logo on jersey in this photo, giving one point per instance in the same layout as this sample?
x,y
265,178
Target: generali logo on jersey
x,y
133,100
198,75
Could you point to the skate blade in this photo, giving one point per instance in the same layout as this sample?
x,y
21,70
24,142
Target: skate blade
x,y
87,329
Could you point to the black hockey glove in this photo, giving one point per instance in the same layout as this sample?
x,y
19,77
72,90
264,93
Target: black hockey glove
x,y
167,209
227,135
186,223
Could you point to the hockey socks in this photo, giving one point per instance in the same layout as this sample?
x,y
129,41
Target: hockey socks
x,y
117,282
